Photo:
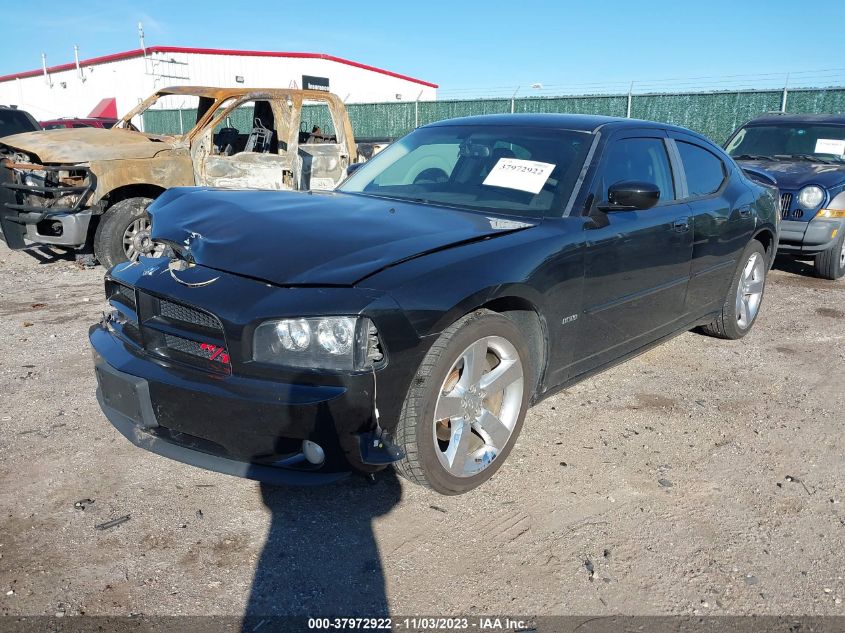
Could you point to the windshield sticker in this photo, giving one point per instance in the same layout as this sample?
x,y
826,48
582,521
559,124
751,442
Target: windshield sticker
x,y
830,146
524,175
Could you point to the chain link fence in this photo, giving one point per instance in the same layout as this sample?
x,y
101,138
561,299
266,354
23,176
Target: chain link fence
x,y
714,114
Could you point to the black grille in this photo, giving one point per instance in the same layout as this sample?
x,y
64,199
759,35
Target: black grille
x,y
179,312
132,332
126,293
183,333
206,351
121,292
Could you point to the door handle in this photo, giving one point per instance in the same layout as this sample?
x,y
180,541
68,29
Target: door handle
x,y
745,212
681,225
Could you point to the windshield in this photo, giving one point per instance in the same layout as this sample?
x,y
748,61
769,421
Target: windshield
x,y
517,170
820,143
167,114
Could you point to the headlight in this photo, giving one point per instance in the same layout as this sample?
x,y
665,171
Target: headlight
x,y
810,197
338,343
35,178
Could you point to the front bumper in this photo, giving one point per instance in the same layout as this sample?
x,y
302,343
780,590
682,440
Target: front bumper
x,y
809,238
35,214
240,426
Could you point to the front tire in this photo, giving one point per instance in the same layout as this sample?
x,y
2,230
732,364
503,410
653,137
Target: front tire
x,y
124,233
745,296
830,264
466,404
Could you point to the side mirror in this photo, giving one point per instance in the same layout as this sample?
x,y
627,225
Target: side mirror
x,y
352,167
631,195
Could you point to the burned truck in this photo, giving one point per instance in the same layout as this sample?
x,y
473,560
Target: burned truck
x,y
88,189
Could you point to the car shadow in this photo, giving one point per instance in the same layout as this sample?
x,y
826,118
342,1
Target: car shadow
x,y
320,557
48,255
794,266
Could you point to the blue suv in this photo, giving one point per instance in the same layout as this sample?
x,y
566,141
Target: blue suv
x,y
805,154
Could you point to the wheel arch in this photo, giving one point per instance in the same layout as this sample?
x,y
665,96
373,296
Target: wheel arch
x,y
527,318
767,238
515,303
144,190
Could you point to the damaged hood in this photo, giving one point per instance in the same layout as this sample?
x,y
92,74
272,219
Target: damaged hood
x,y
86,144
291,238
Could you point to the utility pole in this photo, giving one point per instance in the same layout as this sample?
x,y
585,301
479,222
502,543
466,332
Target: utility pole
x,y
44,67
76,59
417,110
141,37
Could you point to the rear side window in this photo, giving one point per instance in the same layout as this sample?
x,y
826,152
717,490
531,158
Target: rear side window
x,y
643,159
704,170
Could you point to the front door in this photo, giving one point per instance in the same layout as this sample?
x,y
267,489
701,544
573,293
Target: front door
x,y
636,263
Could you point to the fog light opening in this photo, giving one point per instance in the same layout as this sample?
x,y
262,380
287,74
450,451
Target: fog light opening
x,y
313,452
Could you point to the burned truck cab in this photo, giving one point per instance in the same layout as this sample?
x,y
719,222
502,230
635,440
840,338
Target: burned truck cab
x,y
88,189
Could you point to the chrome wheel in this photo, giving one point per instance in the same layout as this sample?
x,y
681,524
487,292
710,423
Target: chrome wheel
x,y
137,241
842,256
749,293
478,406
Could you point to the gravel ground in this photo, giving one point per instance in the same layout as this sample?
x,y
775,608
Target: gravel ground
x,y
704,477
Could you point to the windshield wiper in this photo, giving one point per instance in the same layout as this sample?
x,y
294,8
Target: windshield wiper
x,y
386,197
808,157
750,157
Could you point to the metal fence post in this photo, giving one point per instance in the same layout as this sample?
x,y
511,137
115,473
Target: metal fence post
x,y
785,94
630,98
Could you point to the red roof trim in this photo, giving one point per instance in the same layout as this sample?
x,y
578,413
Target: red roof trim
x,y
105,59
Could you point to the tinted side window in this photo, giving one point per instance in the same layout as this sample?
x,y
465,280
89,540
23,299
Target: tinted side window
x,y
705,171
15,122
642,159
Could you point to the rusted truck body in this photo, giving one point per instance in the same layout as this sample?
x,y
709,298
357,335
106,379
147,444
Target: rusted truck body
x,y
88,188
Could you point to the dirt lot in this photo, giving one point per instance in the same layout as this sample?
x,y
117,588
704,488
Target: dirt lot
x,y
703,477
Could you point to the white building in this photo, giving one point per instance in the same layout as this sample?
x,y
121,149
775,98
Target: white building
x,y
74,89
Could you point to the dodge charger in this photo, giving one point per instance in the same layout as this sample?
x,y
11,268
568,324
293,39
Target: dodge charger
x,y
410,317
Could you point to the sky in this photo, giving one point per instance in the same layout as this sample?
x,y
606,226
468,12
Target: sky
x,y
472,48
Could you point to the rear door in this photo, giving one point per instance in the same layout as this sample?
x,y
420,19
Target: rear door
x,y
637,263
722,220
323,143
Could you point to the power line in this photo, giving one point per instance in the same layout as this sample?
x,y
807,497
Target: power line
x,y
796,80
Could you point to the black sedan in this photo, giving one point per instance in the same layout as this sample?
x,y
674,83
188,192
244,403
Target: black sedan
x,y
411,317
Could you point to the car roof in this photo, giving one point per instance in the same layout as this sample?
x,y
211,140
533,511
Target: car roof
x,y
577,122
776,117
70,119
227,93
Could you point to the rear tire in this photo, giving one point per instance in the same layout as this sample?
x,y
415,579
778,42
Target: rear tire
x,y
830,264
477,377
745,295
123,233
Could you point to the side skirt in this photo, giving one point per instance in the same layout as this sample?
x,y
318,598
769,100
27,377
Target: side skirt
x,y
686,327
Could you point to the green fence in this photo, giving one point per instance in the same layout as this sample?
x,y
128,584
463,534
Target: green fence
x,y
715,114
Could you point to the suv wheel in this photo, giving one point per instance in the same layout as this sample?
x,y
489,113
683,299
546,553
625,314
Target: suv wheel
x,y
466,405
124,233
745,296
830,264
